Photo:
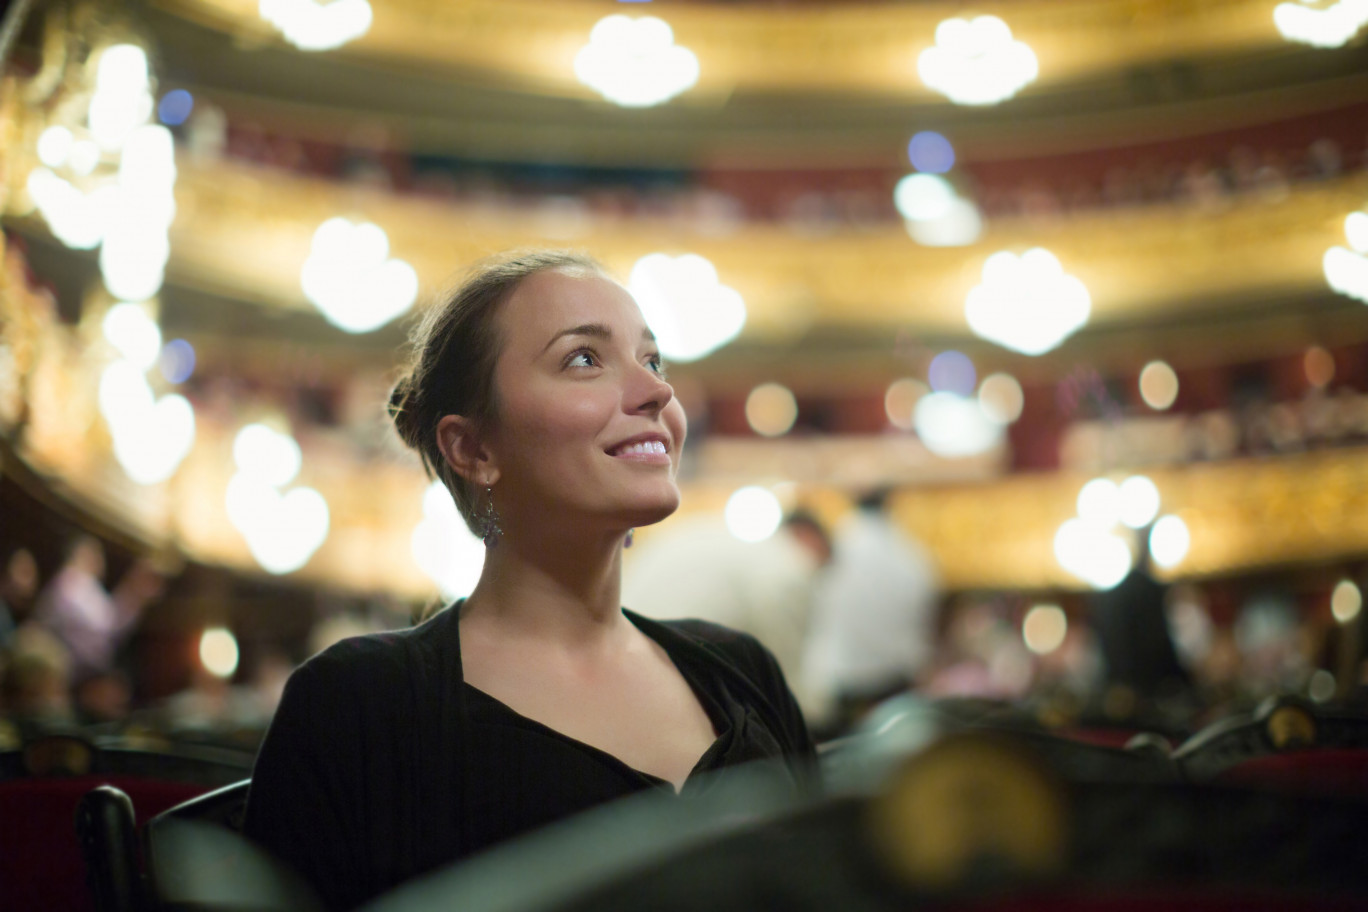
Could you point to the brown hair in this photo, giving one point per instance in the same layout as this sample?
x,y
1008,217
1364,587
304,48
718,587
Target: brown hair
x,y
451,364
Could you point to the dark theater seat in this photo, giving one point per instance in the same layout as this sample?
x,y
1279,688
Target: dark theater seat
x,y
43,783
1286,743
193,857
40,859
974,821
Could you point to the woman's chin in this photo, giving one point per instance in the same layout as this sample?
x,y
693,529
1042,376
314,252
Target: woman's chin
x,y
646,513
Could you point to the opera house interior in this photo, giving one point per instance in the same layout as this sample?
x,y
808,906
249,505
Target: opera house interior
x,y
1023,347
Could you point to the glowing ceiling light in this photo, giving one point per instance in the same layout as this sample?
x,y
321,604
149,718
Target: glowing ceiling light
x,y
931,152
147,166
1321,23
687,307
132,262
1044,628
150,436
977,62
135,335
84,157
126,214
54,145
771,409
175,107
313,26
1000,398
177,361
1346,601
753,513
1093,553
351,279
1139,501
900,399
960,225
923,197
952,425
444,547
635,62
122,99
1099,503
952,372
218,651
77,219
1027,303
1346,269
1158,385
935,215
282,531
266,455
1169,541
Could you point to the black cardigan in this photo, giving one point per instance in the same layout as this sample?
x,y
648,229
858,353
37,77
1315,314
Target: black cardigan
x,y
382,764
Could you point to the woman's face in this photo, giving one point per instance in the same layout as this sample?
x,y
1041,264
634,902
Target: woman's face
x,y
586,425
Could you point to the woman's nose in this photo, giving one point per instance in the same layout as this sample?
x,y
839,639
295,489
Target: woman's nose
x,y
649,392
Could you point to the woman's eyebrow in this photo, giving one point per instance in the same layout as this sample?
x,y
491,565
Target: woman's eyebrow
x,y
598,330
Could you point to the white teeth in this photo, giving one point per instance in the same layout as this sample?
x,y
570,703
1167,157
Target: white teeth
x,y
649,446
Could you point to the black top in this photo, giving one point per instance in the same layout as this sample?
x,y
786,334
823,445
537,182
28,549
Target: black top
x,y
381,762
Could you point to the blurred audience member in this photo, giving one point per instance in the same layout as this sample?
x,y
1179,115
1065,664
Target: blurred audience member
x,y
980,655
1137,648
36,691
874,615
1268,639
206,132
212,705
104,698
17,586
694,568
91,622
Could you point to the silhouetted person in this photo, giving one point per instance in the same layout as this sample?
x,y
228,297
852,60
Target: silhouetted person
x,y
1132,628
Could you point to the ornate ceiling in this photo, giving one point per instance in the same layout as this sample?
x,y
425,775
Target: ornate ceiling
x,y
820,84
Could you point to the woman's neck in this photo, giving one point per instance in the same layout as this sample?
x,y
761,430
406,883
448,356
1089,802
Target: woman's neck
x,y
566,588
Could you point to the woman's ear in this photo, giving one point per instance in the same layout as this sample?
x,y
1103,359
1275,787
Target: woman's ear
x,y
465,451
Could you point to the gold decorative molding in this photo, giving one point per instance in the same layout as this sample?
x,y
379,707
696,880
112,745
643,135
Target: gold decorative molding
x,y
245,231
1243,515
857,48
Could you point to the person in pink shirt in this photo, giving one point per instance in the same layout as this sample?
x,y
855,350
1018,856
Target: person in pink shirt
x,y
91,621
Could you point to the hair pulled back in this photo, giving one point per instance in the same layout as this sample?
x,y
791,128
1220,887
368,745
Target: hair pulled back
x,y
453,351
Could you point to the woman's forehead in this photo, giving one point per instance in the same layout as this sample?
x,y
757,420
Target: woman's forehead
x,y
548,302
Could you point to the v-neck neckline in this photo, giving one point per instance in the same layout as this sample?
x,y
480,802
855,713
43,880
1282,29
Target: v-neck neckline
x,y
717,716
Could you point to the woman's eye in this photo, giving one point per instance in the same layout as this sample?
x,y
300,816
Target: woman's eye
x,y
656,364
582,359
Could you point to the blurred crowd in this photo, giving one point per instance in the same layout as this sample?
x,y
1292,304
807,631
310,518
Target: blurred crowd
x,y
854,615
719,202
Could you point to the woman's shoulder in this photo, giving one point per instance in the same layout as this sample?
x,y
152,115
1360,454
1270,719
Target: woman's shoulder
x,y
374,659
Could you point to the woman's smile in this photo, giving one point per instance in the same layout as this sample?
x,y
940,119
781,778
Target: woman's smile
x,y
646,449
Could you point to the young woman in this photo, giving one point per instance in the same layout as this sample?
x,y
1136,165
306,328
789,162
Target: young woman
x,y
537,394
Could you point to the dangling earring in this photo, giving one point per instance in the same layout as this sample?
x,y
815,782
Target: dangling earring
x,y
628,542
489,522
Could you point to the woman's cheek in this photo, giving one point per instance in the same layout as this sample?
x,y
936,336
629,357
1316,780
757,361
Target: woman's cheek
x,y
569,416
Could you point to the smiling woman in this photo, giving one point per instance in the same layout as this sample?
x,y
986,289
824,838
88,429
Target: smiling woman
x,y
538,396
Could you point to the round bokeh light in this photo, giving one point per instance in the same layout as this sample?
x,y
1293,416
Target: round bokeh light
x,y
931,152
